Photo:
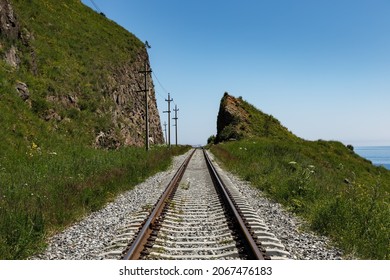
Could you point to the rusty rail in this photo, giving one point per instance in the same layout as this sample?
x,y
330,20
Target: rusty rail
x,y
136,247
250,244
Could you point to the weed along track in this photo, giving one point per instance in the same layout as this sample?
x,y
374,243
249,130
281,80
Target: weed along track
x,y
200,215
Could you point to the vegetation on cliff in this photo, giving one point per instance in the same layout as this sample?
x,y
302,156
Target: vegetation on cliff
x,y
77,71
238,119
67,74
339,193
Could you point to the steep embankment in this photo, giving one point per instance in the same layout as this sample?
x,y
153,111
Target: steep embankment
x,y
339,193
70,72
71,117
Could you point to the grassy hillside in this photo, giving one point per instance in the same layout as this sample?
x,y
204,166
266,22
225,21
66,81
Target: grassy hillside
x,y
339,193
50,175
65,50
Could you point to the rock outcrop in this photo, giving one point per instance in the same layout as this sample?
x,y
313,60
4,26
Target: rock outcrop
x,y
22,88
9,25
238,119
9,28
129,111
232,121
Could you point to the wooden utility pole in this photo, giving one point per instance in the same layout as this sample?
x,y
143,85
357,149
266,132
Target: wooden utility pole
x,y
169,100
146,90
176,118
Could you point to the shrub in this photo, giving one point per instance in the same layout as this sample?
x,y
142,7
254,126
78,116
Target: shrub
x,y
211,139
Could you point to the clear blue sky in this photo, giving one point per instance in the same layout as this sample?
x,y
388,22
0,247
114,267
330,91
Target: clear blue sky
x,y
322,67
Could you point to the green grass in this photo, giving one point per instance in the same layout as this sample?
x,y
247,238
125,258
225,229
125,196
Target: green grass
x,y
43,189
340,194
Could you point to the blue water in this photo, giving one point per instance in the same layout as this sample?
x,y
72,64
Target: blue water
x,y
379,155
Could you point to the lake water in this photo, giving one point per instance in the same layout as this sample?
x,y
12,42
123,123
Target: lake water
x,y
379,155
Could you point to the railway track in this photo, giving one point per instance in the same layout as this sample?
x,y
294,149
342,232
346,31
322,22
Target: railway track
x,y
200,215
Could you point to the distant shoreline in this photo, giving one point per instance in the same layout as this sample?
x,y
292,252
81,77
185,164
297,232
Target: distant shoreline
x,y
378,155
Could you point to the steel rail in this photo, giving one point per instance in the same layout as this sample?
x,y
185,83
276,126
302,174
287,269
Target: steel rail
x,y
136,247
253,249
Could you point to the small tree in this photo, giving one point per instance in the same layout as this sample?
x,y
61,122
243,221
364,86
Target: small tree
x,y
211,139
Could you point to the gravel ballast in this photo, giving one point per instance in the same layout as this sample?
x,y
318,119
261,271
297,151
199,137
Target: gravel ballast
x,y
87,239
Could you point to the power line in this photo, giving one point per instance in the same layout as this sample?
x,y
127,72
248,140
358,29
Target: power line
x,y
97,8
160,83
163,88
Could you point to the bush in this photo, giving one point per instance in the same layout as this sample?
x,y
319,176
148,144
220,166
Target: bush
x,y
211,139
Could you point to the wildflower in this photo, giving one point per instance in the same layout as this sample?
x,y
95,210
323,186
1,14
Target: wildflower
x,y
34,146
34,149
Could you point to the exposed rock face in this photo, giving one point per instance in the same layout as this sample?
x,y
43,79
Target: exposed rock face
x,y
232,119
129,113
10,29
11,57
22,88
238,119
9,26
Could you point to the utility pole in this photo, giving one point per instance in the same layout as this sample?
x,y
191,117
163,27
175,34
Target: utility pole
x,y
146,90
169,100
165,132
175,118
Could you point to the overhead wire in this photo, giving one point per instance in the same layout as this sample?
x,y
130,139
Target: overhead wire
x,y
163,88
96,7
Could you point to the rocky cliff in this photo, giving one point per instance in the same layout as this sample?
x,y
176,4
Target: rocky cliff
x,y
238,119
128,112
77,71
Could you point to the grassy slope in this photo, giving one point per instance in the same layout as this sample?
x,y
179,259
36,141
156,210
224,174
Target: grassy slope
x,y
75,50
338,192
49,174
